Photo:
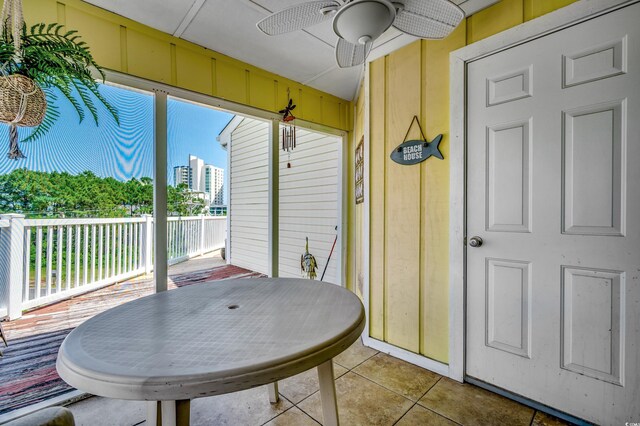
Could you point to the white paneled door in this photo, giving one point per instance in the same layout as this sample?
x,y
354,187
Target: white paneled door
x,y
553,210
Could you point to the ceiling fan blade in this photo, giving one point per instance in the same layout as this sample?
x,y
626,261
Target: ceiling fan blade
x,y
350,55
428,18
297,17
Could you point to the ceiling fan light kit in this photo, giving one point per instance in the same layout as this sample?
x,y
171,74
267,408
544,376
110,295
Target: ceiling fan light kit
x,y
358,23
363,21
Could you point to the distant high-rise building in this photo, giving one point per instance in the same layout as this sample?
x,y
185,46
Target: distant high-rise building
x,y
202,178
213,184
181,175
196,175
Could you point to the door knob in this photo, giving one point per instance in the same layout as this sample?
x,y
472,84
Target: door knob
x,y
475,242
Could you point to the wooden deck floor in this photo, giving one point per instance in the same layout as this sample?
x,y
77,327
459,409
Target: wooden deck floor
x,y
28,368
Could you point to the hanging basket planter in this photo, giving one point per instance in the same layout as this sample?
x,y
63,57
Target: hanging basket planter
x,y
22,101
40,61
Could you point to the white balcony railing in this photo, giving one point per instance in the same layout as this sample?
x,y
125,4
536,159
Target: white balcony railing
x,y
48,260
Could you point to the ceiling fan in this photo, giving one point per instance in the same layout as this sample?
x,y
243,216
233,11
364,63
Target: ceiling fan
x,y
358,23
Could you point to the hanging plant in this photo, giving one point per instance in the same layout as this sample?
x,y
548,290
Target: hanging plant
x,y
38,64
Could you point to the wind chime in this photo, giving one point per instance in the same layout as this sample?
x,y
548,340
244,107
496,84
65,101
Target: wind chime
x,y
288,129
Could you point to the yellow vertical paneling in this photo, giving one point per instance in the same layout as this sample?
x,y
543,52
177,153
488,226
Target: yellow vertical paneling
x,y
354,215
262,95
214,78
345,114
359,126
282,93
494,19
354,239
310,106
148,57
356,233
193,71
435,198
356,274
247,82
37,11
231,81
101,36
393,94
402,255
61,14
174,68
376,230
331,112
124,45
124,62
536,8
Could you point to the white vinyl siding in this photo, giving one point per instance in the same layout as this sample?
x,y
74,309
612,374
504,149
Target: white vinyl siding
x,y
309,203
308,200
249,195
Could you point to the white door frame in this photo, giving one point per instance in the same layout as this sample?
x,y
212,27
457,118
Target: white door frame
x,y
568,16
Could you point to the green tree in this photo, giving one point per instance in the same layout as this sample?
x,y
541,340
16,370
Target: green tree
x,y
60,194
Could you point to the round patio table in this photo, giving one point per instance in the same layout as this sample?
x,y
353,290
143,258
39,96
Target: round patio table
x,y
210,339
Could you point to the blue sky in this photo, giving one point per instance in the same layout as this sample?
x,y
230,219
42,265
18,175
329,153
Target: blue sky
x,y
124,151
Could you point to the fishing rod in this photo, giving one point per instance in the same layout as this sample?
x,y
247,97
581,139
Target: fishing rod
x,y
330,253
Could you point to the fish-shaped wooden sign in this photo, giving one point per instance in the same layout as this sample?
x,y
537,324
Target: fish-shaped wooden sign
x,y
416,151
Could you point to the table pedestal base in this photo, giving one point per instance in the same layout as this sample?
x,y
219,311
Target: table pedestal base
x,y
168,413
328,394
273,392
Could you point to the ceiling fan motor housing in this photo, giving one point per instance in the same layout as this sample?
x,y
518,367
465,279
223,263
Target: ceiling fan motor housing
x,y
363,21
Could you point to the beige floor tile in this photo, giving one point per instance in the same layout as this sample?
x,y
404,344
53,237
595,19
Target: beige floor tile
x,y
419,416
397,375
354,355
470,405
543,419
298,387
360,402
293,417
249,407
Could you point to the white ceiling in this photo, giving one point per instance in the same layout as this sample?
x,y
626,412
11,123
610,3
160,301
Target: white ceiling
x,y
229,27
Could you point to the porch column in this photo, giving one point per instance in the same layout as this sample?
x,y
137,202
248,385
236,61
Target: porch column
x,y
160,191
274,197
12,263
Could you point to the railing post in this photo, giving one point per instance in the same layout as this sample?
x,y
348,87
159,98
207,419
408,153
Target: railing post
x,y
202,239
11,269
147,248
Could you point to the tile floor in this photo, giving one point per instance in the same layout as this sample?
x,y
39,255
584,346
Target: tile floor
x,y
373,389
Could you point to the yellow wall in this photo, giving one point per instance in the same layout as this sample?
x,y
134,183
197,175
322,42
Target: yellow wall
x,y
409,264
356,254
124,45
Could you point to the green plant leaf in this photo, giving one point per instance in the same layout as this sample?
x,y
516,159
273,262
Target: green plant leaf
x,y
60,62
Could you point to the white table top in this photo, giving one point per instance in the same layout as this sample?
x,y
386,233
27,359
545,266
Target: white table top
x,y
211,338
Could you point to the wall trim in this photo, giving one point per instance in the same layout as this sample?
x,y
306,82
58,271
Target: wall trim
x,y
133,82
343,211
366,213
405,355
568,16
